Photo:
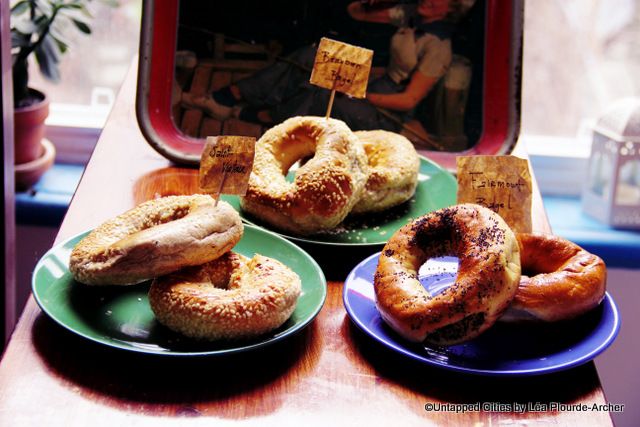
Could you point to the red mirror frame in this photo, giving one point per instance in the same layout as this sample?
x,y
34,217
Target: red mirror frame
x,y
501,85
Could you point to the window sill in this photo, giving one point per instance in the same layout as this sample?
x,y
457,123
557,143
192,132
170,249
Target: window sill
x,y
618,248
74,130
559,164
47,202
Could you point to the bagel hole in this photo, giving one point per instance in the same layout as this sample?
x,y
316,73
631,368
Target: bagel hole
x,y
219,273
529,272
438,273
293,152
291,172
220,277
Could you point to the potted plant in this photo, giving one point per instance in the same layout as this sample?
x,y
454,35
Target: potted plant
x,y
38,29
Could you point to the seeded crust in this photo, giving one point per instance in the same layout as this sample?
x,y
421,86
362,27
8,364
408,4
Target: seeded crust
x,y
486,283
157,237
232,297
393,171
324,190
566,281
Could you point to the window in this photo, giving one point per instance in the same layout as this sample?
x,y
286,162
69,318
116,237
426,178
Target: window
x,y
579,57
91,72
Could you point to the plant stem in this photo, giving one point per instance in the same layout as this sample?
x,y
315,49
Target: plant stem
x,y
25,52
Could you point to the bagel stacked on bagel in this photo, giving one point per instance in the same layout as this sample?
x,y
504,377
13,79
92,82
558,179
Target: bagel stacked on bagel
x,y
156,238
346,173
201,288
501,276
323,191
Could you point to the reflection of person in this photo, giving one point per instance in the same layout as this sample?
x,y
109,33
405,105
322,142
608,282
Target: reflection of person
x,y
420,54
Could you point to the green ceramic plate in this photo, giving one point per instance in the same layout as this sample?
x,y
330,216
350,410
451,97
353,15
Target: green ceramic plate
x,y
436,189
121,317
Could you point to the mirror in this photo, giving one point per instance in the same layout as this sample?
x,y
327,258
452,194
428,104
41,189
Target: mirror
x,y
238,68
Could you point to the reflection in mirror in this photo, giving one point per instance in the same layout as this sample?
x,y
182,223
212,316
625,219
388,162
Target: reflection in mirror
x,y
245,66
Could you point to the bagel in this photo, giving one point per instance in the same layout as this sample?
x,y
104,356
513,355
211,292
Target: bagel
x,y
393,171
323,191
232,297
155,238
560,280
487,279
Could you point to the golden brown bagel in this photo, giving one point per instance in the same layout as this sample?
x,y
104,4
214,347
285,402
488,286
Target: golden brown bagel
x,y
324,189
393,171
229,298
560,280
487,280
157,237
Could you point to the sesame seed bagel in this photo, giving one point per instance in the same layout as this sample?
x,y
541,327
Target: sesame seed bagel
x,y
560,280
232,297
393,171
487,279
323,191
155,238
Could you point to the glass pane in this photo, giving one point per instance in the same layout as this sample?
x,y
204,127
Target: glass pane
x,y
95,65
579,57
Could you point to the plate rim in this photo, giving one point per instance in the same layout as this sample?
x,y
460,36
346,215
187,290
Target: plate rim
x,y
395,346
305,240
172,353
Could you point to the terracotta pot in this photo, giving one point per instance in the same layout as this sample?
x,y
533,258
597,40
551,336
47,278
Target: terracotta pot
x,y
27,174
29,129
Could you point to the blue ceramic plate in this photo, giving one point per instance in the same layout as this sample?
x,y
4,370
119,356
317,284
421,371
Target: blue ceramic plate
x,y
503,350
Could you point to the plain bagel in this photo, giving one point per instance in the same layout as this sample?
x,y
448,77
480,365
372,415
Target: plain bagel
x,y
560,280
393,171
232,297
487,279
155,238
323,191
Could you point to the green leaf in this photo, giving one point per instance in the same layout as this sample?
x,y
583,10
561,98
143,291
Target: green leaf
x,y
44,6
48,67
50,48
19,8
82,26
25,27
62,45
85,12
111,3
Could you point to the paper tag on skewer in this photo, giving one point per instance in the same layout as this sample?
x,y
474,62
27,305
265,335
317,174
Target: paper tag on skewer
x,y
342,67
226,164
500,183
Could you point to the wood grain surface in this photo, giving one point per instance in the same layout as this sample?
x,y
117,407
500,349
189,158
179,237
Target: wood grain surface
x,y
329,374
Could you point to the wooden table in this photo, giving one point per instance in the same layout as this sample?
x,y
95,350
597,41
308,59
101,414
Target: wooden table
x,y
330,374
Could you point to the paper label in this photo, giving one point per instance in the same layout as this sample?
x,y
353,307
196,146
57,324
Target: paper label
x,y
342,67
500,183
226,164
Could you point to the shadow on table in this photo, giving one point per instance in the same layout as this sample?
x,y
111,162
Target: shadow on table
x,y
176,385
449,386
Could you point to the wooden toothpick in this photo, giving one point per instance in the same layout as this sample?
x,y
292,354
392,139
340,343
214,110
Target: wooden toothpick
x,y
333,95
224,176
